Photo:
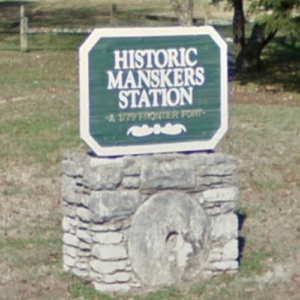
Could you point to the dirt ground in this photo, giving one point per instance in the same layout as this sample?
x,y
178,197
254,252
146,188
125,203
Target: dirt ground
x,y
266,95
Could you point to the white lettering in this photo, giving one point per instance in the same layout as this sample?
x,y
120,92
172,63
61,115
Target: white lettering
x,y
155,98
123,103
155,77
159,58
200,76
130,81
115,82
120,59
188,60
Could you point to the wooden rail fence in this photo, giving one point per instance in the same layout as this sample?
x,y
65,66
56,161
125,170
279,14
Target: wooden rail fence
x,y
25,30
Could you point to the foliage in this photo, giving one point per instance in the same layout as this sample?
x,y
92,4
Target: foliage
x,y
277,14
270,17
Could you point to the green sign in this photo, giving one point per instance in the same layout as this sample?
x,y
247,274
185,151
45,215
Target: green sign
x,y
149,90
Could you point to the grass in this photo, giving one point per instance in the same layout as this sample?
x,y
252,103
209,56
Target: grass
x,y
279,60
39,120
35,130
80,290
36,109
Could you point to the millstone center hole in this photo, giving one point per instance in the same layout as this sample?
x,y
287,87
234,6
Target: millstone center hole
x,y
171,239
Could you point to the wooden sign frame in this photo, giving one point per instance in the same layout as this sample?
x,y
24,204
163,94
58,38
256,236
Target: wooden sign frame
x,y
176,146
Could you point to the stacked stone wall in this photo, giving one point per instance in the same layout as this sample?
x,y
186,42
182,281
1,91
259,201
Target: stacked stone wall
x,y
141,222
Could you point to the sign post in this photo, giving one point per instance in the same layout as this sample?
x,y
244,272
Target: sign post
x,y
153,90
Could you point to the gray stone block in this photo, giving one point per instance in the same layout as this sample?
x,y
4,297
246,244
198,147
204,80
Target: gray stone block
x,y
83,246
113,205
67,224
225,265
135,285
83,225
228,207
81,264
73,162
212,211
131,166
102,228
118,277
80,273
221,195
167,175
107,267
69,261
111,226
230,250
200,160
68,191
85,199
131,182
214,257
70,251
107,238
70,239
112,288
129,268
102,177
83,214
225,227
209,182
110,252
220,170
84,253
215,254
84,235
70,168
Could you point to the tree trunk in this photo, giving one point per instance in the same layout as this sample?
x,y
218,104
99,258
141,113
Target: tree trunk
x,y
184,11
249,56
238,25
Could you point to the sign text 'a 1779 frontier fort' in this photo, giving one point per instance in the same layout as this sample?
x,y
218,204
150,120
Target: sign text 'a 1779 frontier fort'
x,y
150,90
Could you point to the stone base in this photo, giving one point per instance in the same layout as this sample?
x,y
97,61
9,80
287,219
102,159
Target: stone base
x,y
148,221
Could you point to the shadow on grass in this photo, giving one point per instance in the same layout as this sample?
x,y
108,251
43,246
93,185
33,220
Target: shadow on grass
x,y
279,70
68,17
10,14
5,4
241,240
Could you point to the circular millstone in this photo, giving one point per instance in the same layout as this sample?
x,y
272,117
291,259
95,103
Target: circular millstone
x,y
169,239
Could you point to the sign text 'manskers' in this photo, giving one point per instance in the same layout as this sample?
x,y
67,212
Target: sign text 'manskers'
x,y
155,77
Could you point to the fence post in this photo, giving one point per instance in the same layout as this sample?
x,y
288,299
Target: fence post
x,y
113,12
23,30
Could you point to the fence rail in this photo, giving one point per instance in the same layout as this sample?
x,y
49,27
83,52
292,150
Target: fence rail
x,y
42,30
25,30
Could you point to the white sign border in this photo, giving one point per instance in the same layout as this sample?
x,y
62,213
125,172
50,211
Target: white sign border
x,y
99,33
